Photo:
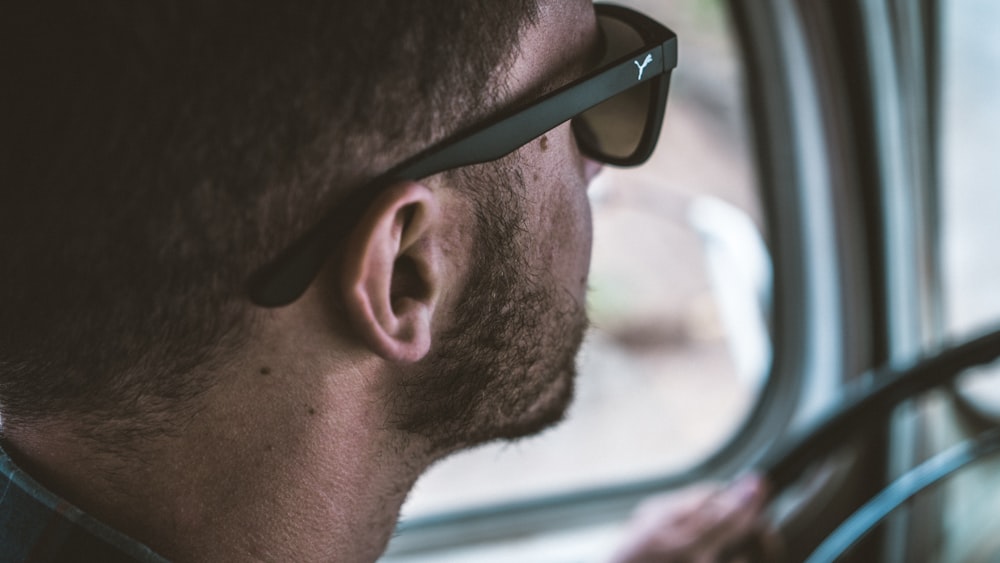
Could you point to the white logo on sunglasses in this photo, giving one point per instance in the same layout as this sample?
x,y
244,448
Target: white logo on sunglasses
x,y
642,67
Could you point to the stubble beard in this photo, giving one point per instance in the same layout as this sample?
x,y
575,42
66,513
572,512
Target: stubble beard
x,y
506,367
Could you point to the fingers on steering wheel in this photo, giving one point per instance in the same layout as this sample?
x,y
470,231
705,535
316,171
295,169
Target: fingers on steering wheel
x,y
733,517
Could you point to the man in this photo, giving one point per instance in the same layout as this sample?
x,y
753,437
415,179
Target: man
x,y
235,326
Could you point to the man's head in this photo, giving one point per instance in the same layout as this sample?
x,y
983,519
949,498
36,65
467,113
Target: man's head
x,y
269,263
157,154
164,155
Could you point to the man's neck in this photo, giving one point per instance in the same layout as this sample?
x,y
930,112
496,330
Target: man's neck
x,y
275,466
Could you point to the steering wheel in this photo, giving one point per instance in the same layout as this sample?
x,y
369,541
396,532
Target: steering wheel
x,y
872,404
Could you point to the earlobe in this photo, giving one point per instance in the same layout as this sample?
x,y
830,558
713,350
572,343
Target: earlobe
x,y
391,272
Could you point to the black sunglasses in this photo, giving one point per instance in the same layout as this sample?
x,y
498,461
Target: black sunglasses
x,y
616,112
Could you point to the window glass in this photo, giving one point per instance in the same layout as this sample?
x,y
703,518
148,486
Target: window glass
x,y
970,186
970,168
678,268
970,231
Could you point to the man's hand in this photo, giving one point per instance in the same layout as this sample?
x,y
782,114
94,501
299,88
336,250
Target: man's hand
x,y
703,524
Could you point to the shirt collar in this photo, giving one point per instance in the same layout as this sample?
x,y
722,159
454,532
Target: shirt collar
x,y
38,526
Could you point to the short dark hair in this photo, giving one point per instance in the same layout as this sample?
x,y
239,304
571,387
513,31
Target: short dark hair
x,y
154,154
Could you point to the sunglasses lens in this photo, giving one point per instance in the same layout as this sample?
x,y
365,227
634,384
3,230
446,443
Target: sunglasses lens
x,y
614,128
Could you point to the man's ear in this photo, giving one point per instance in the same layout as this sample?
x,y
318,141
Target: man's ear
x,y
391,274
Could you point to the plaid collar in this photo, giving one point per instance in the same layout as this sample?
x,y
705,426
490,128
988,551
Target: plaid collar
x,y
36,526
